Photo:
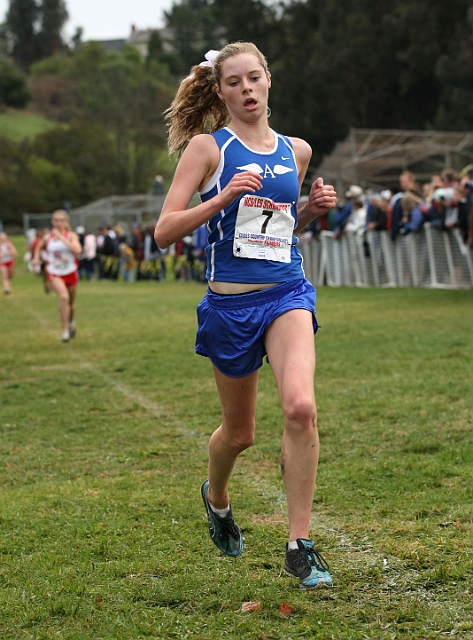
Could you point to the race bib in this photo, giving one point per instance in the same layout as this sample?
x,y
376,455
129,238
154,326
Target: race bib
x,y
60,262
263,230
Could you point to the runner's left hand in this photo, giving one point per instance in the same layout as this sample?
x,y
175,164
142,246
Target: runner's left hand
x,y
322,197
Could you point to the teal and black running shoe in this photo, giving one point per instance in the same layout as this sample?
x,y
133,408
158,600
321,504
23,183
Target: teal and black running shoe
x,y
308,565
224,532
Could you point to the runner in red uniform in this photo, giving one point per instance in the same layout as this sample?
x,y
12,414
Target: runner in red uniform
x,y
8,253
62,247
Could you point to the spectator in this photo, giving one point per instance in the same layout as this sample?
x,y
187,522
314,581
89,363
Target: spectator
x,y
87,264
127,262
466,218
80,232
356,222
158,186
408,184
120,235
200,242
107,251
136,243
443,213
153,266
377,213
341,218
31,237
30,243
413,217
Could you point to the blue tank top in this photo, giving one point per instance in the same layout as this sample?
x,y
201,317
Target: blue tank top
x,y
280,184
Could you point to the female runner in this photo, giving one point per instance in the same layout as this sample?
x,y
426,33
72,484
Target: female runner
x,y
8,253
258,302
62,248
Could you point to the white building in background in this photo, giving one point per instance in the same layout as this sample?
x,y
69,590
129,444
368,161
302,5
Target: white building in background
x,y
138,38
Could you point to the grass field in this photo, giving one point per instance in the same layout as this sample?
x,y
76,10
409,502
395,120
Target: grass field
x,y
103,450
18,124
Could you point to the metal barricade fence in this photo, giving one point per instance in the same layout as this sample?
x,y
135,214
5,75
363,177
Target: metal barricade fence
x,y
429,258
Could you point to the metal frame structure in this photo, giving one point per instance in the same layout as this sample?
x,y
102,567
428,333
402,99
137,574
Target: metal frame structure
x,y
374,158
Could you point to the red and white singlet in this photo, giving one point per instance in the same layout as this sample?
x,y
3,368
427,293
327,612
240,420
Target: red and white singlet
x,y
61,260
6,255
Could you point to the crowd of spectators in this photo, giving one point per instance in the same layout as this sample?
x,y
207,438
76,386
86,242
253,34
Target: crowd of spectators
x,y
112,253
445,201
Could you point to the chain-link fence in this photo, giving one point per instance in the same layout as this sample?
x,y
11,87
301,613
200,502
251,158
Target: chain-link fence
x,y
430,258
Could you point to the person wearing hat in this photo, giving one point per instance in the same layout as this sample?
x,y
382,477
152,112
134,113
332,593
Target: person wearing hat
x,y
352,195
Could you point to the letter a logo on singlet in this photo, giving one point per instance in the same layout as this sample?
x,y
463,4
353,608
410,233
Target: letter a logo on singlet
x,y
267,171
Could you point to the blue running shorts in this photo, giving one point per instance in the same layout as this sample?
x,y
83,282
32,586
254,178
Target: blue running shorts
x,y
231,329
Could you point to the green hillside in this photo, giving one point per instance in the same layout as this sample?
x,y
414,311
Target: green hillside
x,y
18,125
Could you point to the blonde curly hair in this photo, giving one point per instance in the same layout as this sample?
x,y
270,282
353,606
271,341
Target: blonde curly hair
x,y
196,107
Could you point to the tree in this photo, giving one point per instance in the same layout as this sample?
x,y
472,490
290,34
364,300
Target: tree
x,y
22,31
53,17
30,183
120,94
13,91
128,99
14,192
56,96
155,49
387,64
200,25
360,64
250,20
54,184
195,31
3,39
33,29
88,152
454,76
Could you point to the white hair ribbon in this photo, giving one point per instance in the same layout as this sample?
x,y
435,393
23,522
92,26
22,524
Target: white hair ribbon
x,y
209,58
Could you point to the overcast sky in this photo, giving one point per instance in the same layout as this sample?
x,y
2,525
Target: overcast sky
x,y
105,20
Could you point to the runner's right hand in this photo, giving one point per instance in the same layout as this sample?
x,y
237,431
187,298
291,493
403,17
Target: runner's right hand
x,y
243,182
